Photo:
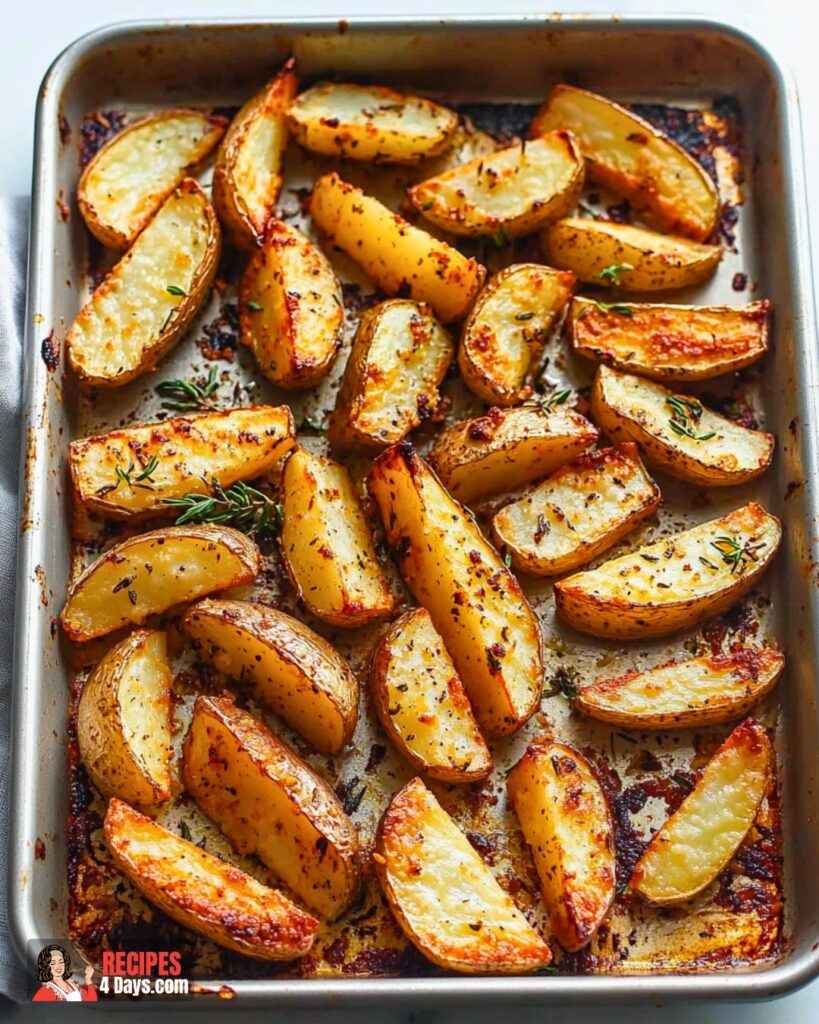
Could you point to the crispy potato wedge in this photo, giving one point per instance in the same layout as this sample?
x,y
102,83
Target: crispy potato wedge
x,y
145,304
702,836
565,819
127,180
582,510
671,343
290,308
294,670
655,262
124,722
503,339
370,123
707,690
158,461
444,897
267,801
422,704
631,157
327,543
507,448
513,192
677,433
248,174
204,893
474,602
399,259
675,582
148,574
399,357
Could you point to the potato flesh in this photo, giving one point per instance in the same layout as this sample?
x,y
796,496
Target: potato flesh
x,y
449,903
580,511
239,444
700,838
257,168
475,603
565,819
697,691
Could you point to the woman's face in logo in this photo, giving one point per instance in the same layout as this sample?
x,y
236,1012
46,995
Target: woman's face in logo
x,y
57,965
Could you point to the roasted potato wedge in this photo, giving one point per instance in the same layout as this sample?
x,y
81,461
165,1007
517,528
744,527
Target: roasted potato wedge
x,y
124,722
204,893
327,543
422,704
675,582
248,174
677,433
475,603
507,448
132,472
444,897
145,304
582,510
294,670
505,334
513,192
399,357
399,259
565,819
650,262
706,690
631,157
267,801
148,574
670,343
127,180
370,123
290,308
702,836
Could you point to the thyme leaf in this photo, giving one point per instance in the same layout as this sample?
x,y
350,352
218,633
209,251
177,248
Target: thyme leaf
x,y
685,415
241,505
611,274
187,395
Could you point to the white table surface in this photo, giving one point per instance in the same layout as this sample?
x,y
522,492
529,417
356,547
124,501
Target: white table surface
x,y
35,32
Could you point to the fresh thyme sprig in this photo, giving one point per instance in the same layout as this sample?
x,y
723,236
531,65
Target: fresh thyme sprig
x,y
550,403
125,476
613,307
733,553
563,682
241,505
685,415
611,274
186,395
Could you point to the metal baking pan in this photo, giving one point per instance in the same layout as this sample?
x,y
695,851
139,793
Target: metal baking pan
x,y
673,61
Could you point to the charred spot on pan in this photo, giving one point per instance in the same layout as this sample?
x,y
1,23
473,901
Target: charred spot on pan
x,y
221,339
50,351
504,121
98,128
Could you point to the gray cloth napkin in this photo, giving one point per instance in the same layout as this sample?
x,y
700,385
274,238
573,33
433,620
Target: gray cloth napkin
x,y
13,250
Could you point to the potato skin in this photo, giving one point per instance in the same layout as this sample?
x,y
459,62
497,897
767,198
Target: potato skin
x,y
204,893
137,769
243,214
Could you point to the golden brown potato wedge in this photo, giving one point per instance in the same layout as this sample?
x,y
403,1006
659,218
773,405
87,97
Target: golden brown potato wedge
x,y
145,304
648,261
444,897
631,157
507,448
677,433
370,123
399,357
422,704
327,543
670,343
124,722
204,893
673,583
475,603
504,337
582,510
400,259
702,836
706,690
267,801
148,574
290,308
132,472
248,174
513,192
294,670
564,816
132,175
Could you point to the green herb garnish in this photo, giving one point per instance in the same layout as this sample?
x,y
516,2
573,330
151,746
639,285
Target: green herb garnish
x,y
501,239
733,553
187,395
184,828
685,415
241,505
254,307
563,682
613,307
174,289
611,274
